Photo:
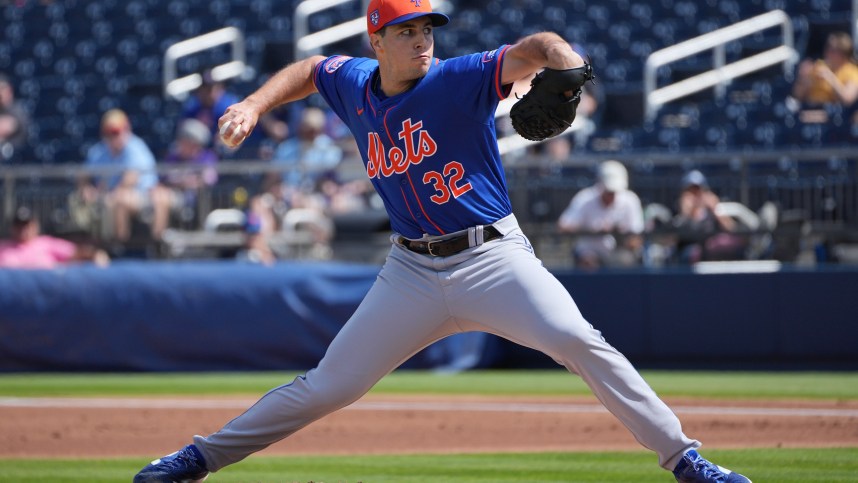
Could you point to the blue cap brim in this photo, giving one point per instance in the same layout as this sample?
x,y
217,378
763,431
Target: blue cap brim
x,y
438,19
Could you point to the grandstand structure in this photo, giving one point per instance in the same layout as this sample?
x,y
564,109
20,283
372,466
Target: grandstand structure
x,y
71,60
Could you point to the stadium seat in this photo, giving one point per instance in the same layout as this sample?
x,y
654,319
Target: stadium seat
x,y
600,15
224,219
554,18
301,219
642,12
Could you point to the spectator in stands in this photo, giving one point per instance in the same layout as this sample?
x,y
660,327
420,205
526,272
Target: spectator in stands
x,y
273,201
29,249
85,207
310,154
341,198
609,218
703,233
275,126
257,248
14,122
556,154
832,79
208,102
192,167
281,206
126,193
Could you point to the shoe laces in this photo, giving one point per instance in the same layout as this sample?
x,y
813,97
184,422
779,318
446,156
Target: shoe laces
x,y
184,459
707,470
702,468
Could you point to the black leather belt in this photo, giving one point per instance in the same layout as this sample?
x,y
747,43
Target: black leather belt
x,y
450,246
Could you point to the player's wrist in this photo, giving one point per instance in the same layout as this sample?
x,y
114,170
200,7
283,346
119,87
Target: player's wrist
x,y
559,54
255,106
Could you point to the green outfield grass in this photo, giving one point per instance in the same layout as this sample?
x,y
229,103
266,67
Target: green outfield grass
x,y
804,385
765,465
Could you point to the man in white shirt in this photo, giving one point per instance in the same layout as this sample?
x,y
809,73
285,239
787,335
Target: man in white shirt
x,y
599,213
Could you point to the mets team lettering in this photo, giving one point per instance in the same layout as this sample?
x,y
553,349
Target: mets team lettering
x,y
418,146
431,151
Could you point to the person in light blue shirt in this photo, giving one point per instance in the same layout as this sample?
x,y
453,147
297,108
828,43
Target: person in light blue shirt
x,y
127,191
310,154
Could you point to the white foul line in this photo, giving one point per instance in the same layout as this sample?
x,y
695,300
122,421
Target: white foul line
x,y
503,407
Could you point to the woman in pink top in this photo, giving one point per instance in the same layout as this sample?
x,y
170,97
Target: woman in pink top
x,y
28,248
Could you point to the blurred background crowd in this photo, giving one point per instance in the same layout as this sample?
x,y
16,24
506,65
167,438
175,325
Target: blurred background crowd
x,y
107,134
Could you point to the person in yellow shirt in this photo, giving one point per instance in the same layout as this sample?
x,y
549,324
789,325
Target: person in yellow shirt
x,y
832,79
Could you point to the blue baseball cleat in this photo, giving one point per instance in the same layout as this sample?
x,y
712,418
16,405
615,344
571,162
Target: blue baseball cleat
x,y
184,466
693,468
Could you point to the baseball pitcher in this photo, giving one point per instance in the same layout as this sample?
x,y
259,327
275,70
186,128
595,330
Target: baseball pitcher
x,y
458,260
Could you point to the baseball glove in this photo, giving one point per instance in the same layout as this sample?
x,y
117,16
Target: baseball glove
x,y
545,111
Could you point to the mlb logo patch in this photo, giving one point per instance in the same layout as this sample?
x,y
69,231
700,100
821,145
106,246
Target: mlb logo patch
x,y
373,17
489,56
335,63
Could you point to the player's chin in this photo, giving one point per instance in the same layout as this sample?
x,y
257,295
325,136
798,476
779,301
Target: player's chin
x,y
421,69
422,61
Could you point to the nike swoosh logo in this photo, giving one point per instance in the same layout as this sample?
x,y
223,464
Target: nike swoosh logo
x,y
359,111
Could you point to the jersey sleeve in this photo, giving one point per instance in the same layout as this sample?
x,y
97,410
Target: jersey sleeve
x,y
475,81
336,80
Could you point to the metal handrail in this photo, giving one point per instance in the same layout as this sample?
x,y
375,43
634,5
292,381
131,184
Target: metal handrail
x,y
722,73
70,171
307,43
178,87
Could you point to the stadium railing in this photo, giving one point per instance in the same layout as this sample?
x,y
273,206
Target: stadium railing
x,y
813,189
722,72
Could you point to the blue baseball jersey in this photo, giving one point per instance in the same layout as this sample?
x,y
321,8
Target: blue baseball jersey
x,y
431,152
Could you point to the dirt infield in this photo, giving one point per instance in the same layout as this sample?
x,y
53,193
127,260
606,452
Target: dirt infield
x,y
389,424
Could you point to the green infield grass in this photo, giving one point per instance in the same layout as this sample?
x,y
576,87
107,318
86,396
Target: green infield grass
x,y
761,465
759,385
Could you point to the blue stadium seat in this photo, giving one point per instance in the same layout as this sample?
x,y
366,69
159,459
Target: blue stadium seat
x,y
513,19
75,129
265,8
620,72
686,11
600,15
136,10
94,11
59,32
554,18
664,31
731,10
280,25
642,12
621,33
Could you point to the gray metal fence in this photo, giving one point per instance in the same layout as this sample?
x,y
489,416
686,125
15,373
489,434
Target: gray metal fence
x,y
818,186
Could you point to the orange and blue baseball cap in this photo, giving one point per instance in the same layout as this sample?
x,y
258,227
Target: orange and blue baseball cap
x,y
381,13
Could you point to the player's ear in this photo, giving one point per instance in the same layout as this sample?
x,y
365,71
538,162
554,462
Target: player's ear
x,y
375,39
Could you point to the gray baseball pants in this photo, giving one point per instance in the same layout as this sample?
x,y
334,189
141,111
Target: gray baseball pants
x,y
499,287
